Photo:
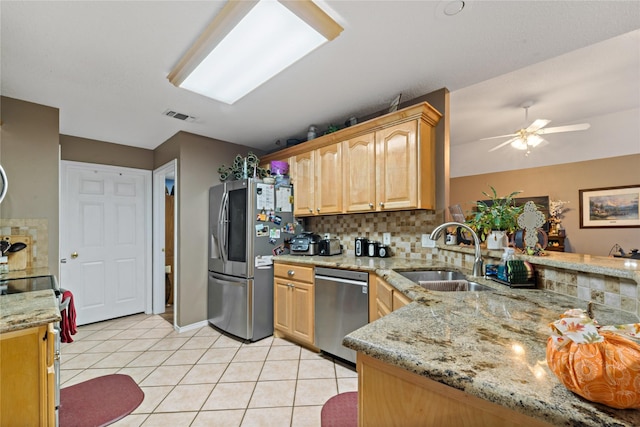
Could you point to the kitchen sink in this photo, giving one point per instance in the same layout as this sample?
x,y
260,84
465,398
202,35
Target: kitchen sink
x,y
432,275
454,286
443,281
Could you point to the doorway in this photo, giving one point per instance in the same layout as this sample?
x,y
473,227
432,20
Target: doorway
x,y
165,284
104,239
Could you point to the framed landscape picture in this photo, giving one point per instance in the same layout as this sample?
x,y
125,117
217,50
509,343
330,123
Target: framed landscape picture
x,y
610,207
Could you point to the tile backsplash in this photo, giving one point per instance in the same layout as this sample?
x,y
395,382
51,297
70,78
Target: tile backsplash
x,y
38,229
407,227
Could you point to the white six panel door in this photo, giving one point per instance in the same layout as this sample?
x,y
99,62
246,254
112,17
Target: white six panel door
x,y
104,233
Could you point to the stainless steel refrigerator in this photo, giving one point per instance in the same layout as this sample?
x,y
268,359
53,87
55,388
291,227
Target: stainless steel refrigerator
x,y
248,222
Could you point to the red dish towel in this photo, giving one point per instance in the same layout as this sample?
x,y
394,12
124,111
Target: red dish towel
x,y
68,324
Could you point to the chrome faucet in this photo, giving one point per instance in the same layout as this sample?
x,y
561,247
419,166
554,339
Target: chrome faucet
x,y
477,263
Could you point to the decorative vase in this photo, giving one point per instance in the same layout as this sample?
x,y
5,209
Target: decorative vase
x,y
497,239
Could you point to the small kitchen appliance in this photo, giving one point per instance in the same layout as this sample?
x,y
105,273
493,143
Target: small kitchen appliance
x,y
372,248
361,246
330,247
383,251
305,243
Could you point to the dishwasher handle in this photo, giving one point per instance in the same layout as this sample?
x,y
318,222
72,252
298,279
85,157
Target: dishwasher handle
x,y
341,280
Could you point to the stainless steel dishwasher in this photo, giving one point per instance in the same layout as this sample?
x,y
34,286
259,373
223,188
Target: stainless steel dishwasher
x,y
341,307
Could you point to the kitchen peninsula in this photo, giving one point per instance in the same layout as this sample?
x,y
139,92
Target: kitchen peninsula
x,y
486,348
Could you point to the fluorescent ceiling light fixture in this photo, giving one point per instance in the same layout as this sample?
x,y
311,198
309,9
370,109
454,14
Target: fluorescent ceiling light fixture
x,y
248,43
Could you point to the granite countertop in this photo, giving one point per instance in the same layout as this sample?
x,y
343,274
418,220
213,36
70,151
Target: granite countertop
x,y
610,266
27,310
490,344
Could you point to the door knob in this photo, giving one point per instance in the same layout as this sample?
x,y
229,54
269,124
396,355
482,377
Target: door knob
x,y
74,255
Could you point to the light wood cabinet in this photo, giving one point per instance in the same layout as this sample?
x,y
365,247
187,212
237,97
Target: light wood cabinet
x,y
359,166
391,396
399,300
317,180
386,163
294,302
390,169
328,185
397,167
27,377
384,298
303,177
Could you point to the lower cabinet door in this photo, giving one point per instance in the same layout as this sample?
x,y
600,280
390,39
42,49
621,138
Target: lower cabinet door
x,y
303,312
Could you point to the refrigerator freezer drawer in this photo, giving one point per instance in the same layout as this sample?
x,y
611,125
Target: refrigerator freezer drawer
x,y
242,307
229,305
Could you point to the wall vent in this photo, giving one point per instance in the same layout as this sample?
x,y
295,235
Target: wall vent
x,y
179,116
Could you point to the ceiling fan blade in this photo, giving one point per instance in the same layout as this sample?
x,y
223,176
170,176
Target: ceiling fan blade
x,y
568,128
501,136
509,141
538,124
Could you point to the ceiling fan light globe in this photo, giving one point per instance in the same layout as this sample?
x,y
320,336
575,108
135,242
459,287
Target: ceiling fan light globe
x,y
534,140
519,144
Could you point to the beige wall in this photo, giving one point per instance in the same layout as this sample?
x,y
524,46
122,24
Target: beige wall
x,y
29,155
198,161
104,153
562,182
30,148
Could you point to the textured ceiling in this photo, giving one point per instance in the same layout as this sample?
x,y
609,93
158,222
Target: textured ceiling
x,y
104,65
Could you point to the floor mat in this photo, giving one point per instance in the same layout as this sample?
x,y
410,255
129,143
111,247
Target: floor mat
x,y
99,402
341,410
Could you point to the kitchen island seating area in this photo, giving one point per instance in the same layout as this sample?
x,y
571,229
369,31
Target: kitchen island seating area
x,y
203,378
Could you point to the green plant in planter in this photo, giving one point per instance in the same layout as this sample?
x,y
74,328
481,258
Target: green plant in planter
x,y
501,214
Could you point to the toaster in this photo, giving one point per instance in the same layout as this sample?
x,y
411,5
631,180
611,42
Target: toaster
x,y
330,247
305,244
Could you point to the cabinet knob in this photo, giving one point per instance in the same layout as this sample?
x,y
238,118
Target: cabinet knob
x,y
371,205
291,273
381,204
318,209
290,285
311,210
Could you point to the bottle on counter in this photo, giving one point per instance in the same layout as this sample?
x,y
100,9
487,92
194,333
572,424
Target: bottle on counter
x,y
508,255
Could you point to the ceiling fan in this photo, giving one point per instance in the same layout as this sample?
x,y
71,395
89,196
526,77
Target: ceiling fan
x,y
529,137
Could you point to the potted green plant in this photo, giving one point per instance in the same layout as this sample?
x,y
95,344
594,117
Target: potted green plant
x,y
498,215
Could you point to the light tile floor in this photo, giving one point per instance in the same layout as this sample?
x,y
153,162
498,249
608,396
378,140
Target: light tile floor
x,y
203,378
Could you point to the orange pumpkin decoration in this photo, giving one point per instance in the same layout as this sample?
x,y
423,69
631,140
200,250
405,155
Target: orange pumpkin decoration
x,y
603,369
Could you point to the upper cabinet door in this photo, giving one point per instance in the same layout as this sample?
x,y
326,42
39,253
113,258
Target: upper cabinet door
x,y
328,194
397,166
302,167
359,165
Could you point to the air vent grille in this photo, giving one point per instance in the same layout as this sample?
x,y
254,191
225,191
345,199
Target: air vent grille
x,y
179,116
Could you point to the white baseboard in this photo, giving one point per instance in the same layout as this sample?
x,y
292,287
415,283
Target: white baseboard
x,y
191,327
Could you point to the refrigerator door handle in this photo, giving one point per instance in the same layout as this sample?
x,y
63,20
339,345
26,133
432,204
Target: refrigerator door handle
x,y
223,226
227,282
